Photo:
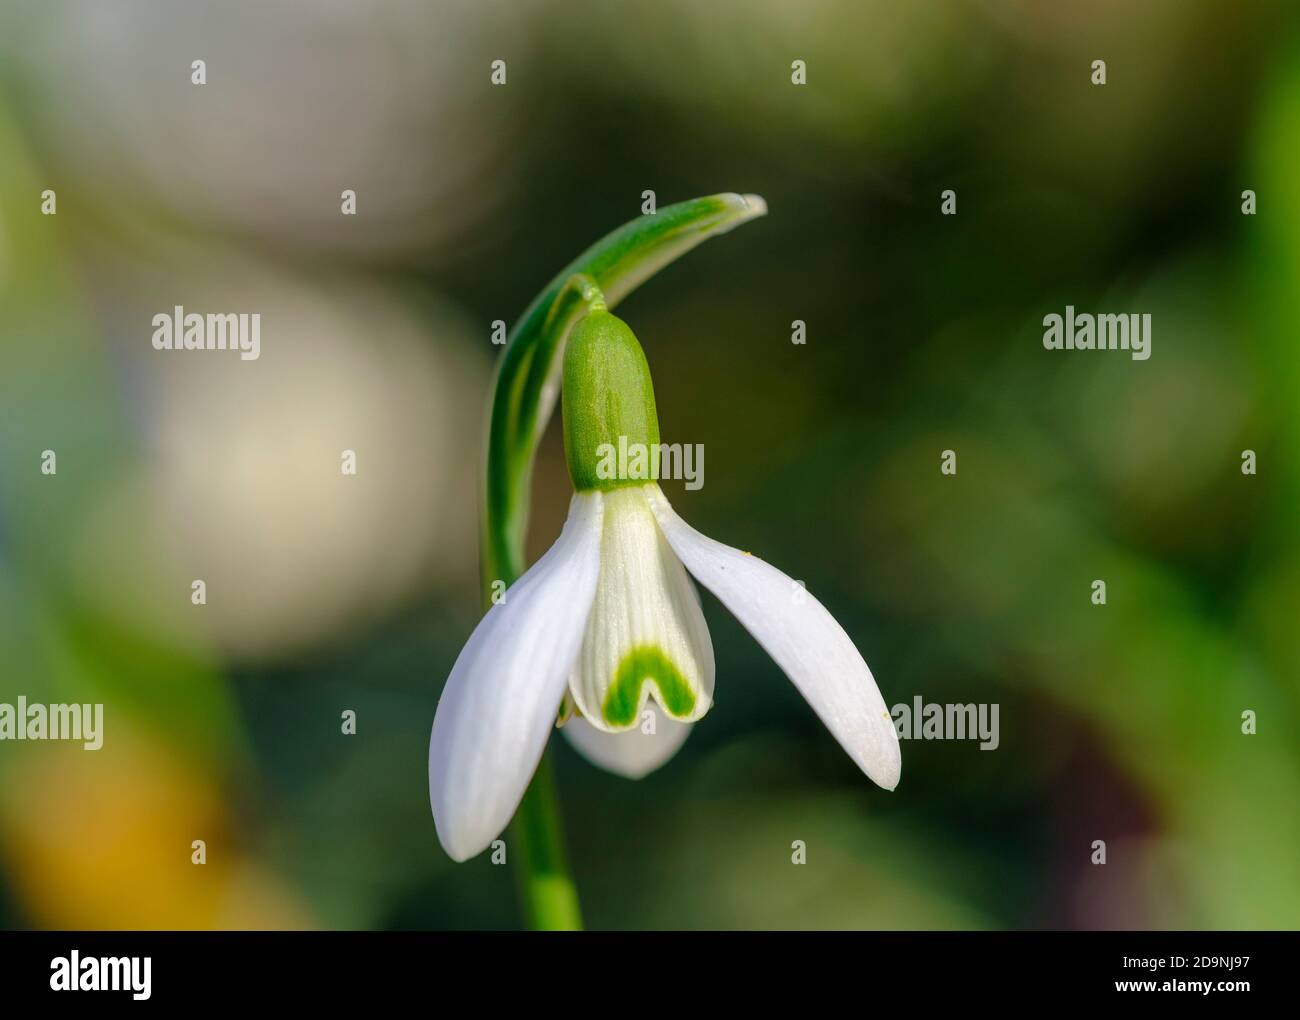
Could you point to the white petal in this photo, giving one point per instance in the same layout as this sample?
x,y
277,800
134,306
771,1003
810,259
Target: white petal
x,y
635,753
801,636
499,704
646,634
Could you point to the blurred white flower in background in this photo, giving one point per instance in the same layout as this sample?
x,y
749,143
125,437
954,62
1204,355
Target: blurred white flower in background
x,y
243,481
302,101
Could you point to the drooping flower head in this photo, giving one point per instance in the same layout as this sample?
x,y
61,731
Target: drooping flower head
x,y
605,632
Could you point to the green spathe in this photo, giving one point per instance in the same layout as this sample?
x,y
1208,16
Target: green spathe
x,y
643,664
609,402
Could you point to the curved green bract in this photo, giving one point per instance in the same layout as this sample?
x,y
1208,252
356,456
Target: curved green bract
x,y
527,381
646,664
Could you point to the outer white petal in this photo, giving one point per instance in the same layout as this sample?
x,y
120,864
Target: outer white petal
x,y
634,753
646,625
500,702
801,636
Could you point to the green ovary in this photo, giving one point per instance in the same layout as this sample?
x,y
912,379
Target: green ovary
x,y
642,664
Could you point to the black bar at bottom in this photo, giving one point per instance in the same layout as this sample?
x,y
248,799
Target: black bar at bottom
x,y
485,971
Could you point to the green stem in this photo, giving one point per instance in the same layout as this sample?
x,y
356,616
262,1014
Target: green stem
x,y
546,890
526,389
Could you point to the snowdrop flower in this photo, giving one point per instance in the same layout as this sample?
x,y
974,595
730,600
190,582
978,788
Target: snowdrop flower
x,y
605,632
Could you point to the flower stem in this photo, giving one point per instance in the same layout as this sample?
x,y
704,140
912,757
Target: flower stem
x,y
546,890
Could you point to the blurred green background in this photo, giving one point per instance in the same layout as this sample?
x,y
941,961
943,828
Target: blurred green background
x,y
1120,723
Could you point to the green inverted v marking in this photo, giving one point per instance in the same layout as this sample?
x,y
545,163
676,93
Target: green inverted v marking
x,y
646,663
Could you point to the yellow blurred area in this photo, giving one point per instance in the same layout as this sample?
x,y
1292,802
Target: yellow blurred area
x,y
103,840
